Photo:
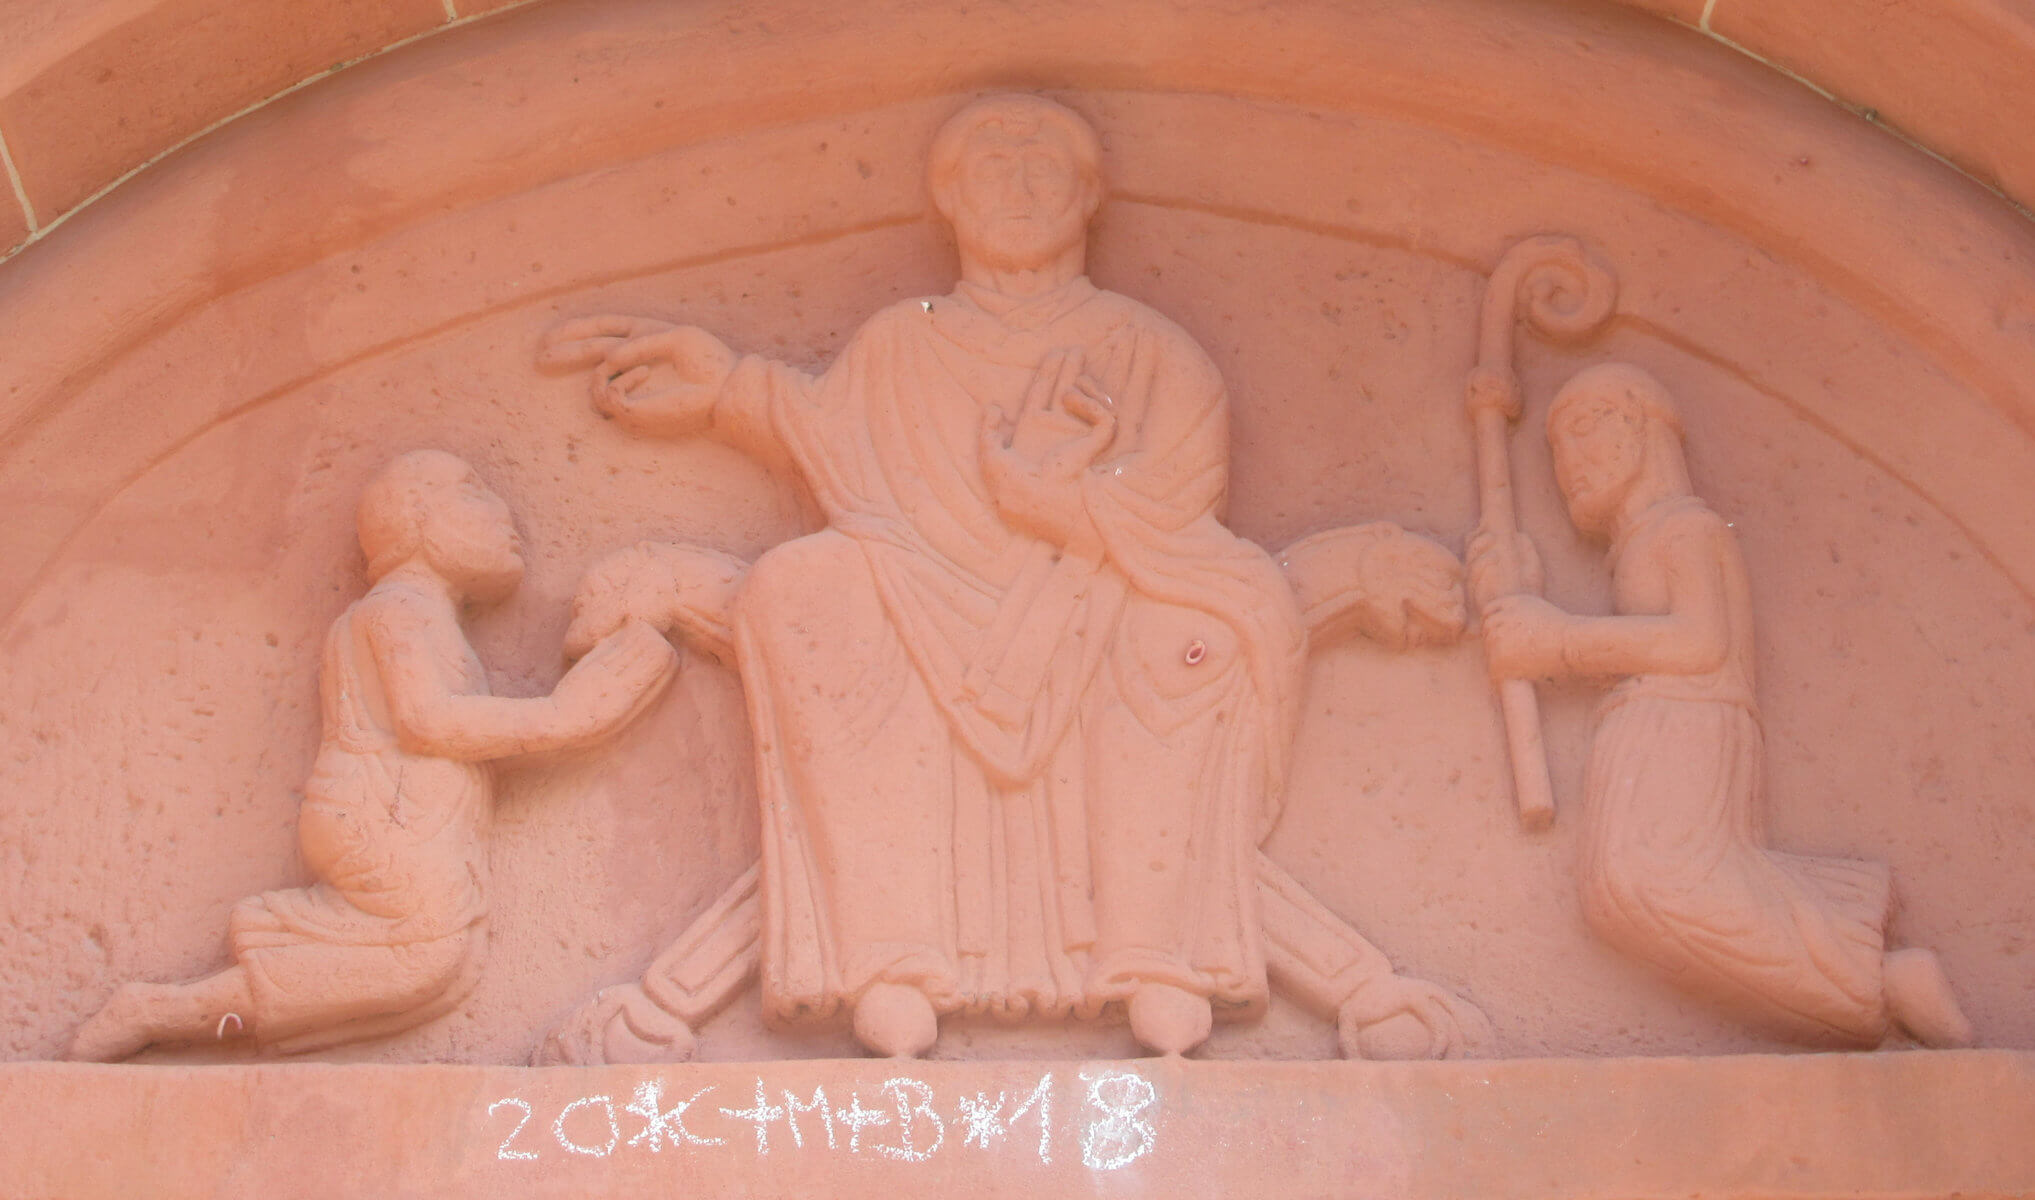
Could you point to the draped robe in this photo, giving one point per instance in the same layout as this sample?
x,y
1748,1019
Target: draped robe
x,y
1674,864
1020,779
392,933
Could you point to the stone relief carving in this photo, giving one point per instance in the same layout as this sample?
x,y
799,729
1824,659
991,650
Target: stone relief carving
x,y
1023,706
1674,870
1565,293
395,817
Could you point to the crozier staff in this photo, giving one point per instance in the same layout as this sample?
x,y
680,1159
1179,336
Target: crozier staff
x,y
1552,284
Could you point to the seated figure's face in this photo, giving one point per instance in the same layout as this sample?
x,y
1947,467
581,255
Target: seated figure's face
x,y
1599,449
1020,200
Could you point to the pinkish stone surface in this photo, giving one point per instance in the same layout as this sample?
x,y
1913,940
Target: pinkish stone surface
x,y
1077,660
102,93
1822,1126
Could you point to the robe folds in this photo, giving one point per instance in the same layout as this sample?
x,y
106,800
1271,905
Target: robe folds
x,y
1036,778
1674,873
1674,866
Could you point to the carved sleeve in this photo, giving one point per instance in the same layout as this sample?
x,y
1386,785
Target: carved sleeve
x,y
1691,638
756,392
434,715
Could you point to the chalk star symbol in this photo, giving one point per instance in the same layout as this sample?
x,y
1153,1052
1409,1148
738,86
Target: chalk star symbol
x,y
663,1123
984,1118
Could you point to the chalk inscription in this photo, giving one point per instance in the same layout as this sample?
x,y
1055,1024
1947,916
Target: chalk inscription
x,y
1112,1125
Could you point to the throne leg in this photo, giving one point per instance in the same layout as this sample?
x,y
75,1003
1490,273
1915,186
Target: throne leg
x,y
1311,955
653,1019
1318,960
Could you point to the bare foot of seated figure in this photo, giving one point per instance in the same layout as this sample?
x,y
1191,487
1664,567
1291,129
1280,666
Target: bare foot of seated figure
x,y
896,1020
1920,1001
1169,1020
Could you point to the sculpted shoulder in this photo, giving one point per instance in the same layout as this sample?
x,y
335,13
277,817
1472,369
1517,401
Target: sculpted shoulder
x,y
1694,519
1184,355
1689,531
399,618
911,309
1117,308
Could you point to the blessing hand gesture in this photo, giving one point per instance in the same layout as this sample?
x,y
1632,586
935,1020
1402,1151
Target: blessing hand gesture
x,y
653,377
1044,498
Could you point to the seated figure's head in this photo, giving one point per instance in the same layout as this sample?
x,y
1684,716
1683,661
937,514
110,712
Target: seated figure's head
x,y
1611,428
1018,177
429,505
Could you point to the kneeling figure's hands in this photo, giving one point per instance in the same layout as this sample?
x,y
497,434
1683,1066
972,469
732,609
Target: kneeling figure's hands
x,y
618,678
1523,637
623,585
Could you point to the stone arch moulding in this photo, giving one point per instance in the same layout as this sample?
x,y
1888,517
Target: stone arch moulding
x,y
205,367
522,103
89,93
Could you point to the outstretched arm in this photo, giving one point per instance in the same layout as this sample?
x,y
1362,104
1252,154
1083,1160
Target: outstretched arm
x,y
660,380
1397,588
433,714
684,592
1323,964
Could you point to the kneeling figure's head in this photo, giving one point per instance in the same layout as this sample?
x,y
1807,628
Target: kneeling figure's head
x,y
431,506
1612,428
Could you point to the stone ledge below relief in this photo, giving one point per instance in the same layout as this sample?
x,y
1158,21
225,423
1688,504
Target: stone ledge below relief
x,y
1882,1124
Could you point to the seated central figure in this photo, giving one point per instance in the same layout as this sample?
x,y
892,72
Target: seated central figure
x,y
1022,708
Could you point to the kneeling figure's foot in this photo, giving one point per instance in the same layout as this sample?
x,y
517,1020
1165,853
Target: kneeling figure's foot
x,y
1169,1020
1920,1000
120,1030
896,1020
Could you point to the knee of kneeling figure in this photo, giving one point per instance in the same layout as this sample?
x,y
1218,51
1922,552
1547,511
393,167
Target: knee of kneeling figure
x,y
1613,897
444,970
